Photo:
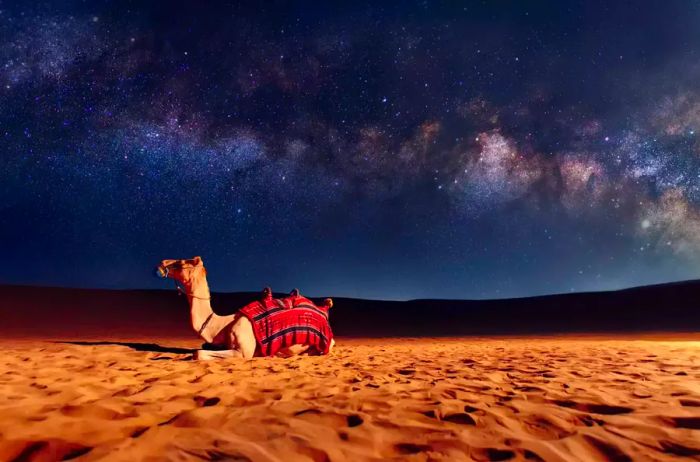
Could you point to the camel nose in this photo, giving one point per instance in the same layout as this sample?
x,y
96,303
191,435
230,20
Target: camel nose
x,y
160,271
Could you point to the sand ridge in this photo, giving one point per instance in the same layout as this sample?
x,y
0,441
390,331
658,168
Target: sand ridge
x,y
554,399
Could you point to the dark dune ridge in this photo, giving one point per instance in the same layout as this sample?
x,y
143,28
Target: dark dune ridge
x,y
28,311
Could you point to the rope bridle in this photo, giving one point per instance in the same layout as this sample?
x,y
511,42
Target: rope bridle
x,y
204,324
182,291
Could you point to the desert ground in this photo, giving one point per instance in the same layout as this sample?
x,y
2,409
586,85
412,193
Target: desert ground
x,y
552,398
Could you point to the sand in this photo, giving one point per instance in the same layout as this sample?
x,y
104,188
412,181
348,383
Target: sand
x,y
553,399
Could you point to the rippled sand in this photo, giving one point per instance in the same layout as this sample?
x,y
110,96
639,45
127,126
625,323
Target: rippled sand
x,y
407,399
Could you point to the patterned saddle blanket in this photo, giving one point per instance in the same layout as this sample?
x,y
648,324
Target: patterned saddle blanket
x,y
281,323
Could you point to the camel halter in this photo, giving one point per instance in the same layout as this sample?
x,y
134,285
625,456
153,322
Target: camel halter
x,y
163,272
182,291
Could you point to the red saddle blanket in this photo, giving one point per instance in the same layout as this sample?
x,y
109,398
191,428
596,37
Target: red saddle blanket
x,y
278,324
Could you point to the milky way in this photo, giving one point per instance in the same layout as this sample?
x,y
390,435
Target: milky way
x,y
413,149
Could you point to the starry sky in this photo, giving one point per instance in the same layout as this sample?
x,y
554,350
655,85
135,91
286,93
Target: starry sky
x,y
389,150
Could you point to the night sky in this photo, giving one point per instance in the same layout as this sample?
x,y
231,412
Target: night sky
x,y
389,149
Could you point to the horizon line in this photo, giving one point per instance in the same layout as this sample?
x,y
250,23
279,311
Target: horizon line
x,y
553,294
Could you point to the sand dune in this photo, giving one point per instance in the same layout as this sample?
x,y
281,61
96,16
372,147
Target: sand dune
x,y
553,399
143,313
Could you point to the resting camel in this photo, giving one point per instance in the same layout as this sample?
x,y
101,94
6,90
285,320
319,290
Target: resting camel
x,y
236,332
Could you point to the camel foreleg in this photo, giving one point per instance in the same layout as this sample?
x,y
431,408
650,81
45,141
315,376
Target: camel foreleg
x,y
206,355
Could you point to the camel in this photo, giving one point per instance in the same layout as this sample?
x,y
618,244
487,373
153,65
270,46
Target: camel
x,y
233,332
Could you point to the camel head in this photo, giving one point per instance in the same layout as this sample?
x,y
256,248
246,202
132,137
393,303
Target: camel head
x,y
186,272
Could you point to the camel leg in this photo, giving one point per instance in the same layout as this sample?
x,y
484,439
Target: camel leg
x,y
206,355
293,350
330,349
242,337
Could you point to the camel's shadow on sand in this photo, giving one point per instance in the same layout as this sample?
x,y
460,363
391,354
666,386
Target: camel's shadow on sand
x,y
148,347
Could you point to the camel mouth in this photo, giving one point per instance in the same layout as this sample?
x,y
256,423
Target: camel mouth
x,y
161,271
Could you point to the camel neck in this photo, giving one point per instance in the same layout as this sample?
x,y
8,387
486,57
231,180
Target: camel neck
x,y
204,321
202,316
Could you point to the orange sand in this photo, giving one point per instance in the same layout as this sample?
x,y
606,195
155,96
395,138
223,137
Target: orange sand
x,y
551,399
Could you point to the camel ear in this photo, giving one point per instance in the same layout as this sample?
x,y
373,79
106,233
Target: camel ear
x,y
197,261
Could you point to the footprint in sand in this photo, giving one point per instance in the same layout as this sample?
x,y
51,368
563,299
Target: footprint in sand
x,y
96,411
609,451
545,428
50,449
491,454
692,423
410,448
459,418
203,401
677,449
354,420
138,431
456,417
594,408
330,418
